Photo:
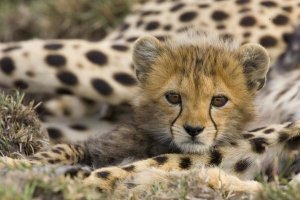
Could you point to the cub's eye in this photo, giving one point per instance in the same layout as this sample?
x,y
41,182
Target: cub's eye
x,y
219,101
173,98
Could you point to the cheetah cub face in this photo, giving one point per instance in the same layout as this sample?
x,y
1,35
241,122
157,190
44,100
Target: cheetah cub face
x,y
197,90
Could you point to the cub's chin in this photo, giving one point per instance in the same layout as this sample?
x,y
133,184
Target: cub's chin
x,y
193,147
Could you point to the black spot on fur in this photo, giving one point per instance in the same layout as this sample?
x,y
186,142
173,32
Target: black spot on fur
x,y
119,47
124,26
268,41
55,60
167,27
247,21
268,131
131,39
243,10
45,155
203,5
287,8
20,84
54,133
220,26
125,79
290,124
54,161
185,163
280,20
7,65
258,144
67,112
103,174
43,111
287,37
139,23
219,15
293,143
53,46
187,16
247,34
30,74
78,127
269,3
242,165
57,151
11,48
177,7
281,93
146,13
129,168
64,91
215,157
67,156
96,57
283,136
161,159
152,26
67,78
88,101
160,37
102,87
241,2
160,1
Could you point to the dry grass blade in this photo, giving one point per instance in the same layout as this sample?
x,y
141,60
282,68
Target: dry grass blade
x,y
21,132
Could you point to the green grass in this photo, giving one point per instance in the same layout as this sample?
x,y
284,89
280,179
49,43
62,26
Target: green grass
x,y
88,19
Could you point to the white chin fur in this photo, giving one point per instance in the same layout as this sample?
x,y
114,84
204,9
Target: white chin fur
x,y
193,148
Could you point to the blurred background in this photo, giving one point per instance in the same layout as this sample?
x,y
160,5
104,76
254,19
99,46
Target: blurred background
x,y
86,19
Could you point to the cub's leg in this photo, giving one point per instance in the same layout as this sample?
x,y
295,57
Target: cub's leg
x,y
59,154
111,148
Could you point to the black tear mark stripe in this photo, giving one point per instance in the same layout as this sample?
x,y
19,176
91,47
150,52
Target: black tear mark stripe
x,y
173,122
214,123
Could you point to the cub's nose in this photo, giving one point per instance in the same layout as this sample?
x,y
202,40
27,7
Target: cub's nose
x,y
193,131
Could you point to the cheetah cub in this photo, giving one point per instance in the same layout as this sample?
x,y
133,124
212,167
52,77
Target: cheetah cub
x,y
195,101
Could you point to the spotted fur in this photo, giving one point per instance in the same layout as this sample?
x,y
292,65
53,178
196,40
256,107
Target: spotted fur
x,y
103,72
198,67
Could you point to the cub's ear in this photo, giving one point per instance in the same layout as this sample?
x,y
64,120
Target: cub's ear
x,y
145,51
255,61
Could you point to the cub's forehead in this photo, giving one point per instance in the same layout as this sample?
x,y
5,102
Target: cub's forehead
x,y
199,59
